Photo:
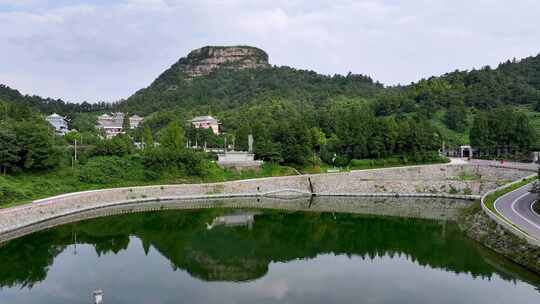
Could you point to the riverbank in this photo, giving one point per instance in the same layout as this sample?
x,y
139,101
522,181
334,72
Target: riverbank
x,y
479,227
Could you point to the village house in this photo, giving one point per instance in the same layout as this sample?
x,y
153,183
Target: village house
x,y
112,125
59,123
206,122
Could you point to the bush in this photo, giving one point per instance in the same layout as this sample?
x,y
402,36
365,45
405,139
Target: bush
x,y
161,160
10,194
417,158
119,145
362,163
111,169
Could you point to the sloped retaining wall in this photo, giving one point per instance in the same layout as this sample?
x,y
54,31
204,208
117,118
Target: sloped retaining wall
x,y
424,181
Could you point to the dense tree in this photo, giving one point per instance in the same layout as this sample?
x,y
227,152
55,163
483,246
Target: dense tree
x,y
37,151
119,145
172,137
501,131
126,125
9,149
147,138
456,117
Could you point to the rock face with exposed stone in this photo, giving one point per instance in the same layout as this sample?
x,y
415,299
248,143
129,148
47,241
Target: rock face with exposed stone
x,y
203,61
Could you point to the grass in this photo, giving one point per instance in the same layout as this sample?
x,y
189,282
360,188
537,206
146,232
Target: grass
x,y
26,187
396,165
468,176
324,168
23,188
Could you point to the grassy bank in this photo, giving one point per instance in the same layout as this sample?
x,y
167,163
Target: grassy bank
x,y
24,188
366,164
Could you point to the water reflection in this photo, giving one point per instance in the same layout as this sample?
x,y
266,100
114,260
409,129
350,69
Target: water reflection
x,y
251,247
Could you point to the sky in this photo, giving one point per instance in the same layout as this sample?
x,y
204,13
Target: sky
x,y
100,50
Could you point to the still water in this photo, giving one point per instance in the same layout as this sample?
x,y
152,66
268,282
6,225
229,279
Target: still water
x,y
249,256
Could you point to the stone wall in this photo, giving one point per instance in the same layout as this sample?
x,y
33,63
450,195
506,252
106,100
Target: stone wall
x,y
435,179
478,226
425,208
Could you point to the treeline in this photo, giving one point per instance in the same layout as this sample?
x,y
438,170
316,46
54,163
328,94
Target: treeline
x,y
501,131
104,161
49,105
301,117
343,130
29,144
26,140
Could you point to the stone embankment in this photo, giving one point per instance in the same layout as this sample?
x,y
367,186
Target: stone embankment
x,y
422,208
458,181
478,226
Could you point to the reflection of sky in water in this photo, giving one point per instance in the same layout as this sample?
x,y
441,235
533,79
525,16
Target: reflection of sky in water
x,y
132,277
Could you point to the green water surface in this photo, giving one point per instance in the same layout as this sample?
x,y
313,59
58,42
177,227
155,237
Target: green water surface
x,y
279,257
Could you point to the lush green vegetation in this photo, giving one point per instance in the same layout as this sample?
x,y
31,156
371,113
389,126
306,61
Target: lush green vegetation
x,y
502,130
99,174
298,118
36,163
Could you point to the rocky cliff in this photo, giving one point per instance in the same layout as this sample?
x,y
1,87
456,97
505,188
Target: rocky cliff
x,y
202,61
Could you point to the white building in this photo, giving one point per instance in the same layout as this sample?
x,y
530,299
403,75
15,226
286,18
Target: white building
x,y
59,123
206,122
239,160
112,125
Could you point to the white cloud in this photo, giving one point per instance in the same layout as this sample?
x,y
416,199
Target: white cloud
x,y
94,50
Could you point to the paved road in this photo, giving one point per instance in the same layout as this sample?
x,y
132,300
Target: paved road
x,y
505,164
516,206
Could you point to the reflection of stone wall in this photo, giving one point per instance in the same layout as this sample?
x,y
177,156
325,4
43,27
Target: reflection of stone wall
x,y
424,208
408,180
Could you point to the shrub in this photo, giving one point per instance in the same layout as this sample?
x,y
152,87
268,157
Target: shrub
x,y
111,169
161,160
362,163
9,193
119,145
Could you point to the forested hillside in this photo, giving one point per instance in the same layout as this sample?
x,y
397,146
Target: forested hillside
x,y
49,105
301,117
228,89
447,105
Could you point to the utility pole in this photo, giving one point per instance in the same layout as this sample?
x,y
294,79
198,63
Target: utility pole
x,y
75,150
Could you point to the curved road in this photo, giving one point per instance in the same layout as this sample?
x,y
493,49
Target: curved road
x,y
516,206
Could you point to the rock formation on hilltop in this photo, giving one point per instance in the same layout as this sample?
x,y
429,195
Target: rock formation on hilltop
x,y
201,62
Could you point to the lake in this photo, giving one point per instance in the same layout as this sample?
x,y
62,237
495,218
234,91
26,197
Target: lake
x,y
224,255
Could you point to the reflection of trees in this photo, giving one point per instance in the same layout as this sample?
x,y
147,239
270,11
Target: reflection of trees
x,y
238,254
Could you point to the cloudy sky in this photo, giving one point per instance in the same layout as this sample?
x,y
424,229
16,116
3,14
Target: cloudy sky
x,y
106,50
